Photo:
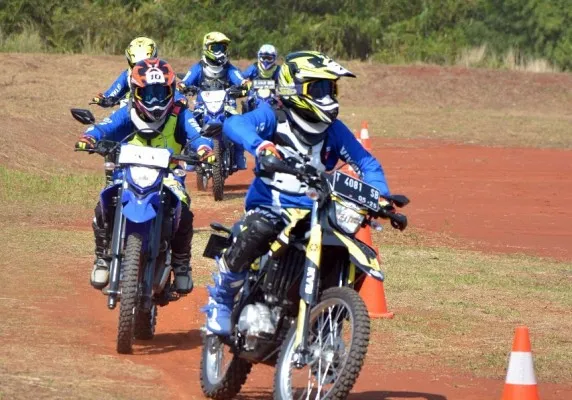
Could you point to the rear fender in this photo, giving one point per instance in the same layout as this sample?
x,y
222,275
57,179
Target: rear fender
x,y
360,254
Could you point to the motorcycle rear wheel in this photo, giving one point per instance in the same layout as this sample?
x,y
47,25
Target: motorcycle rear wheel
x,y
220,381
129,293
331,371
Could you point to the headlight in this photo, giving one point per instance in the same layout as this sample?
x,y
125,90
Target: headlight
x,y
143,176
348,219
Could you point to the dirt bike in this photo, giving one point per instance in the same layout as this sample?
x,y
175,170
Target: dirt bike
x,y
299,309
143,205
260,90
212,107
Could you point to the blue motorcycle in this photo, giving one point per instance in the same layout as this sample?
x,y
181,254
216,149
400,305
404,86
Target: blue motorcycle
x,y
261,90
212,106
142,205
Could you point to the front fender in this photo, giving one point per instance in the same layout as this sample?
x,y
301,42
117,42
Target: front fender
x,y
361,255
140,209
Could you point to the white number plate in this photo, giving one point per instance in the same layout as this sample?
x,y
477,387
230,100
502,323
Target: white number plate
x,y
263,84
142,155
356,190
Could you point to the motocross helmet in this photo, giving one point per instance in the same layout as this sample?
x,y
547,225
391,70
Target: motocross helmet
x,y
307,85
139,49
267,57
215,46
153,88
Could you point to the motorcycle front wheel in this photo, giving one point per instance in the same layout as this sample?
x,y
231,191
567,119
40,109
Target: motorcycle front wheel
x,y
339,326
222,373
218,173
130,268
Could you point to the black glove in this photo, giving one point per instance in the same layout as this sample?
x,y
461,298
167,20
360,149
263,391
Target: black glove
x,y
103,101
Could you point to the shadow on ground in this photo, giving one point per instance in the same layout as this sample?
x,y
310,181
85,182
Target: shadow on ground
x,y
167,342
386,395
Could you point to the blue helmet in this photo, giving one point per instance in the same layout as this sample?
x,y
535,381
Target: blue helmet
x,y
267,56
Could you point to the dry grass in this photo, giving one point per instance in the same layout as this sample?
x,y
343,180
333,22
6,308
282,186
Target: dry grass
x,y
460,308
512,59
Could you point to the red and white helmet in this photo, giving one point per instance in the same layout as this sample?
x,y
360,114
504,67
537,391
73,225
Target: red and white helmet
x,y
153,89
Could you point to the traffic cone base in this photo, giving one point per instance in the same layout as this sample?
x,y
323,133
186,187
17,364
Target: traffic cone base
x,y
520,381
373,296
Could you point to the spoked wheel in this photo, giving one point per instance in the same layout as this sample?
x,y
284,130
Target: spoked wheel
x,y
145,322
222,373
202,181
218,171
129,293
339,326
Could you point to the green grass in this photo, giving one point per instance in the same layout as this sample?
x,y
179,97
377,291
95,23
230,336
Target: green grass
x,y
460,308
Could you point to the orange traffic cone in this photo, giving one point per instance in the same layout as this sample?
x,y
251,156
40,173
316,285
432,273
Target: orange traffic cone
x,y
372,290
520,381
364,136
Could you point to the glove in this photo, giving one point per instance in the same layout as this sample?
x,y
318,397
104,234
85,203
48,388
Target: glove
x,y
267,149
386,206
103,101
206,154
181,87
85,143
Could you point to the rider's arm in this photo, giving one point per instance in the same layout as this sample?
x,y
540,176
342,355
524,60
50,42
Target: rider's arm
x,y
250,72
234,75
119,88
252,128
351,151
192,130
115,127
193,77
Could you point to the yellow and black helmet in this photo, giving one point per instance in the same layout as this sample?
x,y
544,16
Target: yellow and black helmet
x,y
215,45
307,84
139,49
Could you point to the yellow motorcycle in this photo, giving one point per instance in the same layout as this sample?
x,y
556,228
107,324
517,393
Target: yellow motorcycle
x,y
299,309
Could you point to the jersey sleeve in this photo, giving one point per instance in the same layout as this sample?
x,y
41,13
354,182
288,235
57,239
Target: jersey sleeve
x,y
191,130
352,152
252,128
119,88
115,127
234,75
250,72
193,76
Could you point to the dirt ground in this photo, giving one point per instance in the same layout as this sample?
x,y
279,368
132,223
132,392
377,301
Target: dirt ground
x,y
491,198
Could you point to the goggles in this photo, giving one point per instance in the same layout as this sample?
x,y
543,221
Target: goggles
x,y
267,57
321,88
153,95
217,47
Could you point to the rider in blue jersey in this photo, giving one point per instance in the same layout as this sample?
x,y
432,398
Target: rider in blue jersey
x,y
304,124
138,49
153,107
215,71
265,67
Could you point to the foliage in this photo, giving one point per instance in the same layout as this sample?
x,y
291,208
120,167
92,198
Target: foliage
x,y
436,31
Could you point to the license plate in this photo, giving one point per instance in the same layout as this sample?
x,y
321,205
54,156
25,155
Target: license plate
x,y
263,84
356,190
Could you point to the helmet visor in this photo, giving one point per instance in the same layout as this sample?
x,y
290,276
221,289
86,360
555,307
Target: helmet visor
x,y
217,47
153,95
267,57
321,88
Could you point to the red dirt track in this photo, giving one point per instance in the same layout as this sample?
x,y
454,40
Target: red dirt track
x,y
506,200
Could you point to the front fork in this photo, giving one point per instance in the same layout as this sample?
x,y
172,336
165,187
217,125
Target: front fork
x,y
308,289
116,245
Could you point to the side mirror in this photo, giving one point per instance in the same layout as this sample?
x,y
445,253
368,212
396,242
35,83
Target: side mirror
x,y
212,129
399,200
220,228
83,116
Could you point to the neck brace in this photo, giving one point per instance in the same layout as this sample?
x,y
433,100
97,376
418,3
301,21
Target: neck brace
x,y
308,127
140,124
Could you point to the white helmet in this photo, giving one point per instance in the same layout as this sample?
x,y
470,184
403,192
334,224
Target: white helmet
x,y
267,56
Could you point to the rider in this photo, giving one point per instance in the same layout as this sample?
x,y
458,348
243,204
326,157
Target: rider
x,y
304,123
138,49
215,68
266,67
153,107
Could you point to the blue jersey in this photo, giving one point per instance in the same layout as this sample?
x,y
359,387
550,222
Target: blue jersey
x,y
119,125
195,75
252,128
253,72
120,88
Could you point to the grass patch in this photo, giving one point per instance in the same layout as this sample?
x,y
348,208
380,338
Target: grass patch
x,y
460,308
482,127
48,197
